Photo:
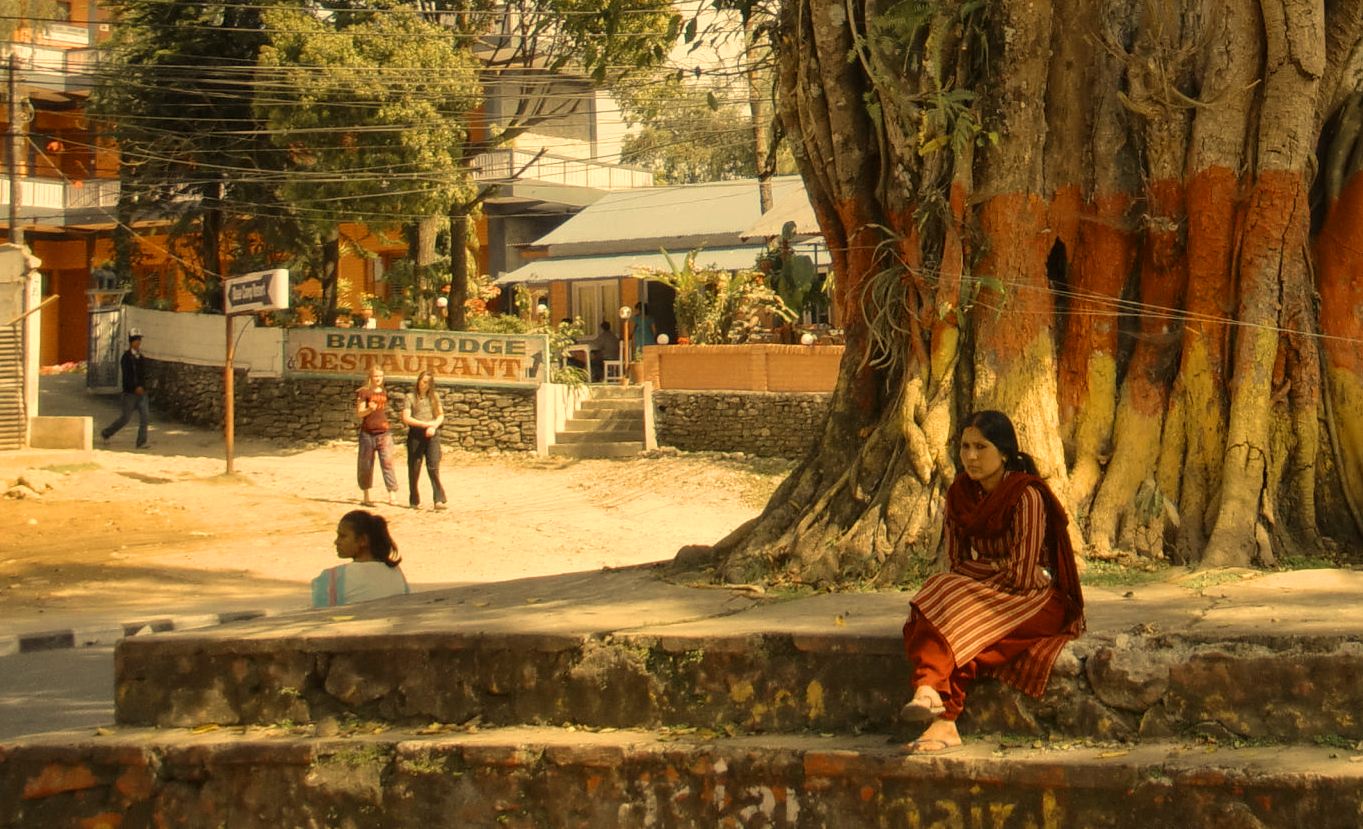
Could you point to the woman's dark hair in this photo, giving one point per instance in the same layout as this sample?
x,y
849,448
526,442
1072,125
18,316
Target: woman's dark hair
x,y
374,528
998,430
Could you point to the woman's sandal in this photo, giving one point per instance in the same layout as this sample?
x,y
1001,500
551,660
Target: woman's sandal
x,y
931,745
921,709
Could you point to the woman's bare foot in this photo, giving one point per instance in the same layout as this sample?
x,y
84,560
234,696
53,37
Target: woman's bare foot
x,y
925,705
939,736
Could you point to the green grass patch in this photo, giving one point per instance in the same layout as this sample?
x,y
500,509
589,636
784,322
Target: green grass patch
x,y
1116,574
1337,741
69,468
1307,563
1211,578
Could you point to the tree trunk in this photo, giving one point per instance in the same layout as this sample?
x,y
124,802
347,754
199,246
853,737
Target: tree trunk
x,y
210,253
1097,218
459,271
759,97
331,273
424,257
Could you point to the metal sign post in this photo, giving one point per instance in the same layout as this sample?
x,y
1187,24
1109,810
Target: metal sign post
x,y
258,291
229,414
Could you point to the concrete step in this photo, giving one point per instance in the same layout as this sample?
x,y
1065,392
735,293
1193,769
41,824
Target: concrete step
x,y
606,435
614,391
469,776
621,449
618,421
611,405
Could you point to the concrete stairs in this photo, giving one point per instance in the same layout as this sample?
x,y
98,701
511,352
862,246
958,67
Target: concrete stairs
x,y
609,424
620,700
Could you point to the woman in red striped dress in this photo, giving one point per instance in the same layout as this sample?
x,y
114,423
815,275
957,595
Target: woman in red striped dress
x,y
1011,599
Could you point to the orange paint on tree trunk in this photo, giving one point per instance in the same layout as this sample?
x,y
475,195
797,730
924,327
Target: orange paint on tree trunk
x,y
1213,217
945,307
1015,224
860,256
1101,256
1339,270
1067,213
1164,278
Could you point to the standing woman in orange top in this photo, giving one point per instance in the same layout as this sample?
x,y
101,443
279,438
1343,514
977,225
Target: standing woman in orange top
x,y
1011,599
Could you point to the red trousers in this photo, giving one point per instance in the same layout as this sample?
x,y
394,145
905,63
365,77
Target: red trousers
x,y
935,665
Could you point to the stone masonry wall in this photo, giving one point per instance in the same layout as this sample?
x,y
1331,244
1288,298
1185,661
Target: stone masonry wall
x,y
769,424
307,409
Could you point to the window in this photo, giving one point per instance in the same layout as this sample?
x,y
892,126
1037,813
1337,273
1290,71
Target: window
x,y
595,302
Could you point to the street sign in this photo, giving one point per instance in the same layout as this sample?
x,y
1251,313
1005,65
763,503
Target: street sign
x,y
259,291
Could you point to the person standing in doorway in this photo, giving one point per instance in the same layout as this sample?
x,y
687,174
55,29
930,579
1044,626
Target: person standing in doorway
x,y
371,409
423,414
643,331
134,392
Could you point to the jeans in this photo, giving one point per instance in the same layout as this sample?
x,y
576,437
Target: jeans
x,y
382,443
130,403
421,448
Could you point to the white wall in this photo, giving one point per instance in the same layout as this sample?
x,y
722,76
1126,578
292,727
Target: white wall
x,y
201,340
20,291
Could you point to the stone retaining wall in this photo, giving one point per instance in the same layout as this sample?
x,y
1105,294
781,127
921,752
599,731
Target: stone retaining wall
x,y
769,424
307,409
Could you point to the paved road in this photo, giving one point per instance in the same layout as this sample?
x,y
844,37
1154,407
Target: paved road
x,y
54,690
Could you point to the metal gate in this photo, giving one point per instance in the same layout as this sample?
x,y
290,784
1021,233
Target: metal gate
x,y
12,416
106,340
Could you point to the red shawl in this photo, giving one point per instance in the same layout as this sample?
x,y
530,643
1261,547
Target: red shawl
x,y
975,513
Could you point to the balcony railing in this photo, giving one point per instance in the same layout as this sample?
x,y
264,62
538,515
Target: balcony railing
x,y
50,201
61,70
575,172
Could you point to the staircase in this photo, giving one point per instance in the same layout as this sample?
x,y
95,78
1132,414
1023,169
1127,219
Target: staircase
x,y
12,417
609,424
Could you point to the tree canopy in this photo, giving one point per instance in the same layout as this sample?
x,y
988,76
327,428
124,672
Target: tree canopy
x,y
269,119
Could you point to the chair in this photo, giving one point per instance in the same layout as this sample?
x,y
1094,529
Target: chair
x,y
615,370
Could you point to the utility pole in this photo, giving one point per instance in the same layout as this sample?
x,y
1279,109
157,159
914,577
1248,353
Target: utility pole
x,y
16,147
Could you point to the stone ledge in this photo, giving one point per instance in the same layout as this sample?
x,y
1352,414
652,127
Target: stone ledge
x,y
551,777
1106,687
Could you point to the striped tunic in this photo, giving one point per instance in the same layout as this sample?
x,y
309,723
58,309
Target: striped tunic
x,y
994,585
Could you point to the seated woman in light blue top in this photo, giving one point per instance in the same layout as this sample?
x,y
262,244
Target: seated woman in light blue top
x,y
373,572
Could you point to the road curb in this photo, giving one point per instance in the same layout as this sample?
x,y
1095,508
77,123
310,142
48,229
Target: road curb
x,y
87,637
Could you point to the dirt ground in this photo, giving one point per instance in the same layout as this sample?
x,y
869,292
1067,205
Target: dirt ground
x,y
146,533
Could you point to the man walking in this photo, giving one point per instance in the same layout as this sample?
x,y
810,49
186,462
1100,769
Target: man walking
x,y
134,392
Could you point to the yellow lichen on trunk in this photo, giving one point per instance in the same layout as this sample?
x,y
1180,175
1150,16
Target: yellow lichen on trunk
x,y
1136,434
1092,439
1345,391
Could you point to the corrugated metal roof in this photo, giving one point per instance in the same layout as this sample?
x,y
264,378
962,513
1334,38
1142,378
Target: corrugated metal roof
x,y
725,208
792,207
627,264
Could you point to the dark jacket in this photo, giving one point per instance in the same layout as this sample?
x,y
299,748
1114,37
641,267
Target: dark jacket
x,y
134,374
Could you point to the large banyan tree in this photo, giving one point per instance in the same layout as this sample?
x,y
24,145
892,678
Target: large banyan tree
x,y
1136,226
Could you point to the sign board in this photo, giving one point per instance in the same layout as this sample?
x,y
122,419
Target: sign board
x,y
453,357
259,291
